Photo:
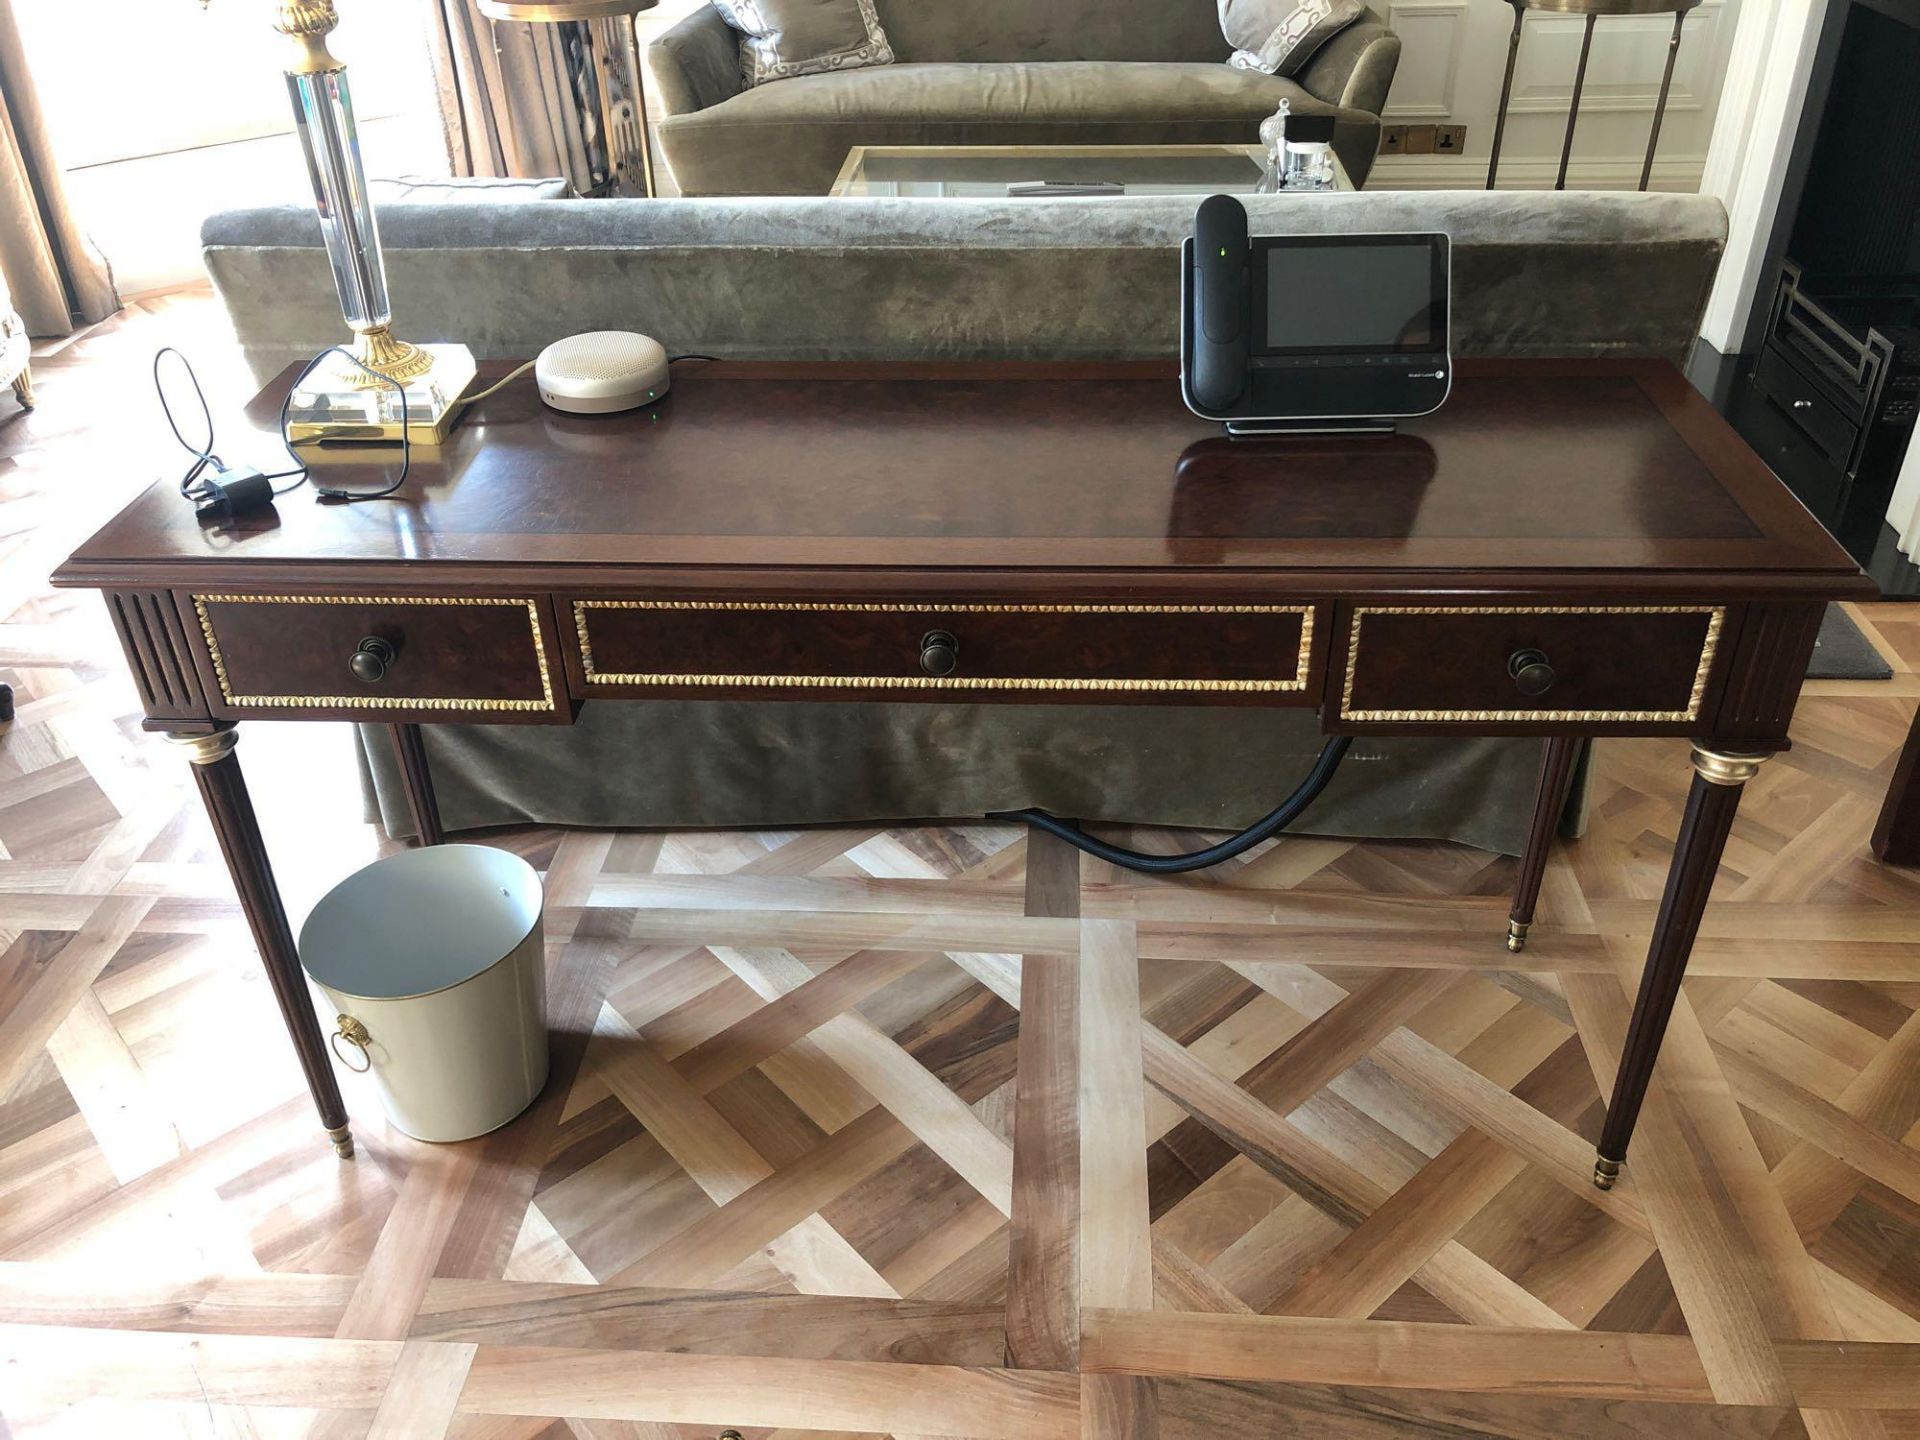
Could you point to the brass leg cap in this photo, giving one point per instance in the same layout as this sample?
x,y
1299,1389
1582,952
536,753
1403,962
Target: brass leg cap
x,y
1516,935
342,1139
1605,1172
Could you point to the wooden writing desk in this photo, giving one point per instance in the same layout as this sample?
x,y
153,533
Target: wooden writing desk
x,y
1566,549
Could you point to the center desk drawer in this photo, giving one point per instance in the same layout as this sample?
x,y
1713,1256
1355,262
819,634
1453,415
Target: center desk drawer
x,y
1626,666
454,658
1221,653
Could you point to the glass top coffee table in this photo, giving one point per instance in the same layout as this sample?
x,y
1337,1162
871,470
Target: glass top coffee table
x,y
980,172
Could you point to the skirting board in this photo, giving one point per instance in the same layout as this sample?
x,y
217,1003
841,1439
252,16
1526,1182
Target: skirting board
x,y
1469,172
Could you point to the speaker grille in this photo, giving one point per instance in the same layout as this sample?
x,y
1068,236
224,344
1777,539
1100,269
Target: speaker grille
x,y
601,355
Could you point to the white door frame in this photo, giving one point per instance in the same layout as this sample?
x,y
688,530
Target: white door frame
x,y
1753,135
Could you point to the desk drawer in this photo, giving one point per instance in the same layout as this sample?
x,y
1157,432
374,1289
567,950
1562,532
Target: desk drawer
x,y
1255,653
1622,666
448,657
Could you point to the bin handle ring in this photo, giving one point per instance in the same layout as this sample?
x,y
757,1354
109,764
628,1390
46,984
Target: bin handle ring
x,y
355,1034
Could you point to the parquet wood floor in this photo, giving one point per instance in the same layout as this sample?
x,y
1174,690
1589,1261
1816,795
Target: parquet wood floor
x,y
943,1131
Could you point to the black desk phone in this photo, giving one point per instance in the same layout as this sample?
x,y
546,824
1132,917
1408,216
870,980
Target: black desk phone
x,y
1332,332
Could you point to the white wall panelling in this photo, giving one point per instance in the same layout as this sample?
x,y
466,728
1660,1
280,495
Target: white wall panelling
x,y
1433,39
1454,52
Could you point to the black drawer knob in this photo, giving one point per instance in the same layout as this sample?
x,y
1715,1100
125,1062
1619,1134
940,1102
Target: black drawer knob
x,y
372,660
939,653
1531,672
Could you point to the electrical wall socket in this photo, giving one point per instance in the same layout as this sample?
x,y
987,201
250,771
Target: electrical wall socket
x,y
1423,139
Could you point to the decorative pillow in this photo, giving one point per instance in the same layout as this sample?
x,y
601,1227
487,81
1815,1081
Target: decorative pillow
x,y
1280,36
783,38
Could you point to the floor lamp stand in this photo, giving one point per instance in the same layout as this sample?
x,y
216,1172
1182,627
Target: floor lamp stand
x,y
1592,10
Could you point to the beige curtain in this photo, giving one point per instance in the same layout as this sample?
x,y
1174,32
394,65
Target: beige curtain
x,y
516,98
59,281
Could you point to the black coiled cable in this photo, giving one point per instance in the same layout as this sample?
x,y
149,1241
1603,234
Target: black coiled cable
x,y
1265,828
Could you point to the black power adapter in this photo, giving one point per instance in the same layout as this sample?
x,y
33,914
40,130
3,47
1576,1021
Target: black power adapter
x,y
222,494
220,491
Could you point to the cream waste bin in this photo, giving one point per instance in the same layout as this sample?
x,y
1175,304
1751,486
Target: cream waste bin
x,y
434,962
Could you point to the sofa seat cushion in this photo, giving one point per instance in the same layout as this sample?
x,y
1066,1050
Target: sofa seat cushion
x,y
791,137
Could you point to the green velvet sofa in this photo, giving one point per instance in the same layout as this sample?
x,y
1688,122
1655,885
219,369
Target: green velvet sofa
x,y
999,72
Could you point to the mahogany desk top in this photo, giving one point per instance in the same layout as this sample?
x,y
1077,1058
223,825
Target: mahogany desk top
x,y
1591,478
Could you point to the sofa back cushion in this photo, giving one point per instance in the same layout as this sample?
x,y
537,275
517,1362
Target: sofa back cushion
x,y
1534,272
999,30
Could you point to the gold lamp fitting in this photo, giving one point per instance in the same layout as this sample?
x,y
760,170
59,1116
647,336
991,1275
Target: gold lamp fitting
x,y
307,23
379,350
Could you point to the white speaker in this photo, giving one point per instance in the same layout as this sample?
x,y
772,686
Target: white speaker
x,y
601,372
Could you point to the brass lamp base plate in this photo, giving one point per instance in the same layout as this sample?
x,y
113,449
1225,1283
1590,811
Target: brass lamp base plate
x,y
434,432
336,403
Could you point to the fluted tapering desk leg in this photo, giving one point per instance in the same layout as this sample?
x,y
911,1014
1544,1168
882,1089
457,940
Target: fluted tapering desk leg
x,y
1549,803
1896,835
411,751
1718,777
216,770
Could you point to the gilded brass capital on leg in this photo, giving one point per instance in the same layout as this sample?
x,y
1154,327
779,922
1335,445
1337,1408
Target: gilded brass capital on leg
x,y
1606,1171
207,749
1727,767
342,1138
1517,935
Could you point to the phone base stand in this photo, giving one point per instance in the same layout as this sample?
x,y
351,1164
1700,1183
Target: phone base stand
x,y
1256,429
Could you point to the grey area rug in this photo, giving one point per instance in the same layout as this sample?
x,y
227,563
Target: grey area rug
x,y
1842,652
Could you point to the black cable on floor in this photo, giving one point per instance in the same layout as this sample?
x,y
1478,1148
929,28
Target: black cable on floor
x,y
1265,828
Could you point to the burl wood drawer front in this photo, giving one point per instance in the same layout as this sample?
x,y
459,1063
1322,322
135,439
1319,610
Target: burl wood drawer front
x,y
1226,652
1620,665
470,657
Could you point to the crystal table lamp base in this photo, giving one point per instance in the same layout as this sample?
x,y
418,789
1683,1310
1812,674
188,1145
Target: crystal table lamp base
x,y
336,402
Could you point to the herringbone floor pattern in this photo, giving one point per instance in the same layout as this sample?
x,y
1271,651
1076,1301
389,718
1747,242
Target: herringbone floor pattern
x,y
942,1131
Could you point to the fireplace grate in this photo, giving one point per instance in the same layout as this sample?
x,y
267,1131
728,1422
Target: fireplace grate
x,y
1842,361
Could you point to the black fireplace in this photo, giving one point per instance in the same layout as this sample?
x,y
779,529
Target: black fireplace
x,y
1831,396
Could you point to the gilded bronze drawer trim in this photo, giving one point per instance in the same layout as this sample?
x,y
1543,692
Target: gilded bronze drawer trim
x,y
1716,619
1297,683
371,702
